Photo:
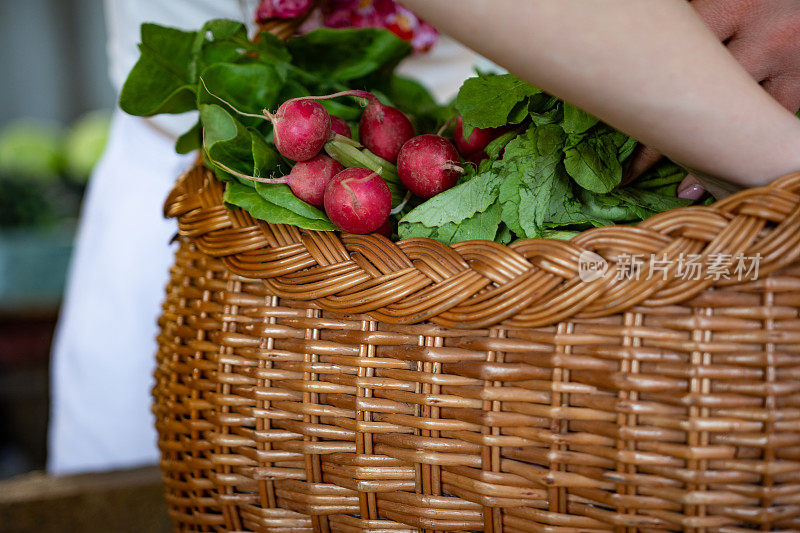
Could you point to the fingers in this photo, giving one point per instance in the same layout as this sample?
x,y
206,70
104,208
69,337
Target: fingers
x,y
718,16
693,188
690,189
642,159
786,90
753,56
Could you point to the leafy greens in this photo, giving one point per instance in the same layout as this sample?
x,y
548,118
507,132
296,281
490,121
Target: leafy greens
x,y
559,172
556,171
181,71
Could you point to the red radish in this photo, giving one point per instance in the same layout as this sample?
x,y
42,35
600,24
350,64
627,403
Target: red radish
x,y
358,201
386,230
428,165
301,127
308,179
384,130
477,158
340,126
478,140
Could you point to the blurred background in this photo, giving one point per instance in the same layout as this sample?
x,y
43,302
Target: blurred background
x,y
55,105
55,109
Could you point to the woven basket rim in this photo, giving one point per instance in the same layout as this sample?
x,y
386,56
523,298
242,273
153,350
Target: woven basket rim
x,y
478,284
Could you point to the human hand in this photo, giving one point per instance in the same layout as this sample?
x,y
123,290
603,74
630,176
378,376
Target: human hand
x,y
764,36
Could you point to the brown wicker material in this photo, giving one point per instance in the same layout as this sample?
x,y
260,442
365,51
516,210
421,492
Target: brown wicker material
x,y
489,388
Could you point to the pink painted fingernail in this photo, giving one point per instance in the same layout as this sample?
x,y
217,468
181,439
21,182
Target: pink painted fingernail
x,y
692,192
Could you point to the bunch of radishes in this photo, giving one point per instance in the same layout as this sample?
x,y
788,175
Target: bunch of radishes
x,y
357,199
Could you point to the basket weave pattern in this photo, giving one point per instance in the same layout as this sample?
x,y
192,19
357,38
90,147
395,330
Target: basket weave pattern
x,y
310,381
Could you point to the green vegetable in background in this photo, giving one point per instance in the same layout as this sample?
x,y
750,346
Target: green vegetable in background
x,y
33,150
85,143
43,171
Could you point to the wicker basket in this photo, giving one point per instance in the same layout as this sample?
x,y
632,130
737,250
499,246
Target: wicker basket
x,y
311,381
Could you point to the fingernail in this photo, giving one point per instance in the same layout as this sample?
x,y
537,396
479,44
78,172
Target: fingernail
x,y
692,192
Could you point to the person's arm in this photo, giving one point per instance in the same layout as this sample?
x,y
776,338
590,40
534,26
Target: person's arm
x,y
648,67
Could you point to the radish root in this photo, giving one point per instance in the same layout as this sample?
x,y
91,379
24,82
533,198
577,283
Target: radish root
x,y
402,205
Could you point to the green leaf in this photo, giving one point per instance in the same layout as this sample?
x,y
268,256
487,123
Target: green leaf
x,y
226,41
351,113
281,195
267,162
496,147
627,147
576,120
660,175
191,140
530,169
566,209
606,207
226,141
225,29
482,226
488,100
350,54
504,235
647,203
518,113
161,81
246,88
594,162
552,116
457,204
251,201
561,235
416,230
271,48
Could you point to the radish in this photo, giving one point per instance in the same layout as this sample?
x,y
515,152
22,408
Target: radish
x,y
308,179
428,165
473,148
384,130
340,126
478,140
358,201
386,230
301,128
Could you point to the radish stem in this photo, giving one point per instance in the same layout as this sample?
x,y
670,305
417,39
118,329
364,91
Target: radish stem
x,y
252,115
345,140
238,174
364,95
446,125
